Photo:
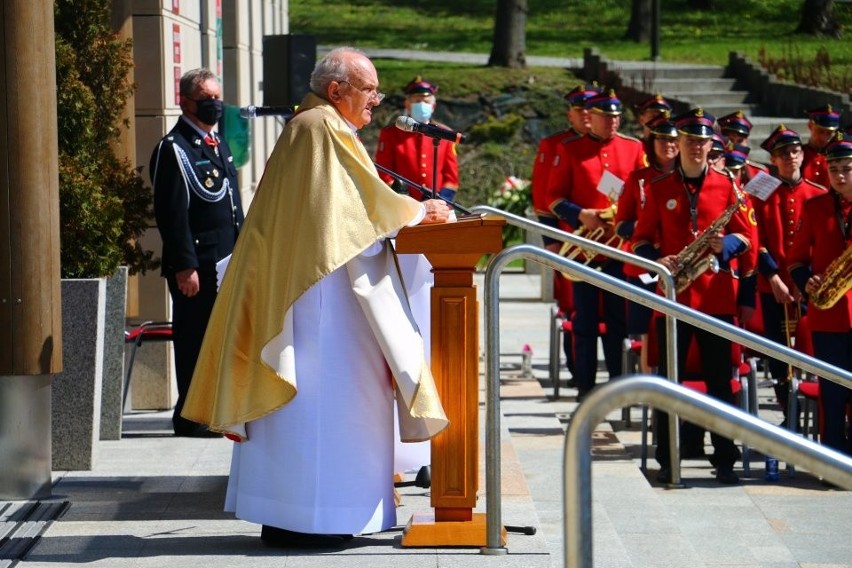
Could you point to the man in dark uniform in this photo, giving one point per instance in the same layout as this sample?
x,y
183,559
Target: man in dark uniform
x,y
573,194
778,217
412,154
682,205
823,122
199,214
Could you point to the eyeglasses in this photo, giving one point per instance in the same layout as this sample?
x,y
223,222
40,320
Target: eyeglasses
x,y
372,93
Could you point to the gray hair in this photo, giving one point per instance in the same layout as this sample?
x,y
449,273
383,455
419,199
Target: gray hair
x,y
192,79
332,67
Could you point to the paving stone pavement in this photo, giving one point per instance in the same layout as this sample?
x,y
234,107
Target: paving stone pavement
x,y
154,500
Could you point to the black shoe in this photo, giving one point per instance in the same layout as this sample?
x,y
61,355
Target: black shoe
x,y
571,384
282,538
726,476
664,475
196,432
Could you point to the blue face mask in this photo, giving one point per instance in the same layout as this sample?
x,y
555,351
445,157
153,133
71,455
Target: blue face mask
x,y
421,112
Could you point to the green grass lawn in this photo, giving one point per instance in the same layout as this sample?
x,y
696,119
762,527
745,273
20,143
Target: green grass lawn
x,y
505,145
564,28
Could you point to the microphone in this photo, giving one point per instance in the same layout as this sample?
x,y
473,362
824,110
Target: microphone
x,y
252,111
410,125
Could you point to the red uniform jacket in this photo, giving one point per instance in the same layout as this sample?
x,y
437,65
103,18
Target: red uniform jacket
x,y
818,241
543,166
578,167
777,223
667,214
410,154
633,199
814,166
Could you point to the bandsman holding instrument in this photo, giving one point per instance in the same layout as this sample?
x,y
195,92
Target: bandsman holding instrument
x,y
820,263
663,140
696,214
582,191
777,216
545,160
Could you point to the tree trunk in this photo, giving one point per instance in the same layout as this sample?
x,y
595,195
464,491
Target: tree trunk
x,y
639,29
509,47
818,19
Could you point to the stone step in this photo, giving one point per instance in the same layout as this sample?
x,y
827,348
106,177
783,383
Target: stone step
x,y
670,86
649,71
708,99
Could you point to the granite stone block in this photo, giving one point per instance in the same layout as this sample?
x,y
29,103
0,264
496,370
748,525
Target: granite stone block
x,y
113,380
76,412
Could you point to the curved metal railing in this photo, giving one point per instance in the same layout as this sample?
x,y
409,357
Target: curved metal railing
x,y
492,349
666,284
708,412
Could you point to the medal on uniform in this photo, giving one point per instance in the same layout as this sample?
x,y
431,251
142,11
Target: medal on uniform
x,y
208,183
215,173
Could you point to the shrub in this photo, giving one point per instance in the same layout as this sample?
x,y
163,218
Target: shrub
x,y
104,204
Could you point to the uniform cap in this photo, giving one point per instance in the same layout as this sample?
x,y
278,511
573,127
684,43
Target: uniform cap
x,y
718,144
657,103
839,148
605,103
420,86
825,116
779,138
578,96
662,127
695,122
736,155
735,121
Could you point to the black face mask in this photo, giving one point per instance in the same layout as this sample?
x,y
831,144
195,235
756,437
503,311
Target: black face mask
x,y
209,111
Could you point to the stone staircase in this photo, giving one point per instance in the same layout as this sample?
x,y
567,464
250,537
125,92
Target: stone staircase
x,y
708,87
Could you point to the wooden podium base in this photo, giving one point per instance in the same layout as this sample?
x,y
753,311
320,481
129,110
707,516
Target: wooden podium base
x,y
423,530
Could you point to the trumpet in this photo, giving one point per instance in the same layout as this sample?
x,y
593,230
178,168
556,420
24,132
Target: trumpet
x,y
599,235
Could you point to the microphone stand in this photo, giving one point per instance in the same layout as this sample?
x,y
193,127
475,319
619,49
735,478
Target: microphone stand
x,y
435,143
425,190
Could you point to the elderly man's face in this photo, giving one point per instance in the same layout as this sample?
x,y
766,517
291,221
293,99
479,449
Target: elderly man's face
x,y
356,97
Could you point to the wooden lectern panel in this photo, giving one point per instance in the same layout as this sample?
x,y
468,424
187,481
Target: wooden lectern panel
x,y
453,249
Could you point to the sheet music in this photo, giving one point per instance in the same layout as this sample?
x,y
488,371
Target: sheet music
x,y
611,185
762,185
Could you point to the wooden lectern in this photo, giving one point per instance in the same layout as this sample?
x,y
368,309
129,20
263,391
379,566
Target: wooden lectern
x,y
453,249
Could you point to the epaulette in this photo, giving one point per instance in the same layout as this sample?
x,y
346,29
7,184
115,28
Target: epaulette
x,y
758,165
627,137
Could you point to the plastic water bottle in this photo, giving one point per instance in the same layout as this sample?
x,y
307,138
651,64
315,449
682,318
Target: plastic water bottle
x,y
771,473
526,360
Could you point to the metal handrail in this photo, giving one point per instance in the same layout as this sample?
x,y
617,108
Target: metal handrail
x,y
708,412
492,349
667,285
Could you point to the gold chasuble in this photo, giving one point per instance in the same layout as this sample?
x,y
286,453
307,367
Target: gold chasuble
x,y
319,204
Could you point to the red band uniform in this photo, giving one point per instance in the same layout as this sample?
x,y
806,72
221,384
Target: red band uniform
x,y
677,211
825,233
571,189
412,154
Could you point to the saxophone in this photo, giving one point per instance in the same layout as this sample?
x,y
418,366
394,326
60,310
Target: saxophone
x,y
695,259
836,281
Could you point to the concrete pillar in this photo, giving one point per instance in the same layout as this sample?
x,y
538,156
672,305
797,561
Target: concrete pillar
x,y
30,310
